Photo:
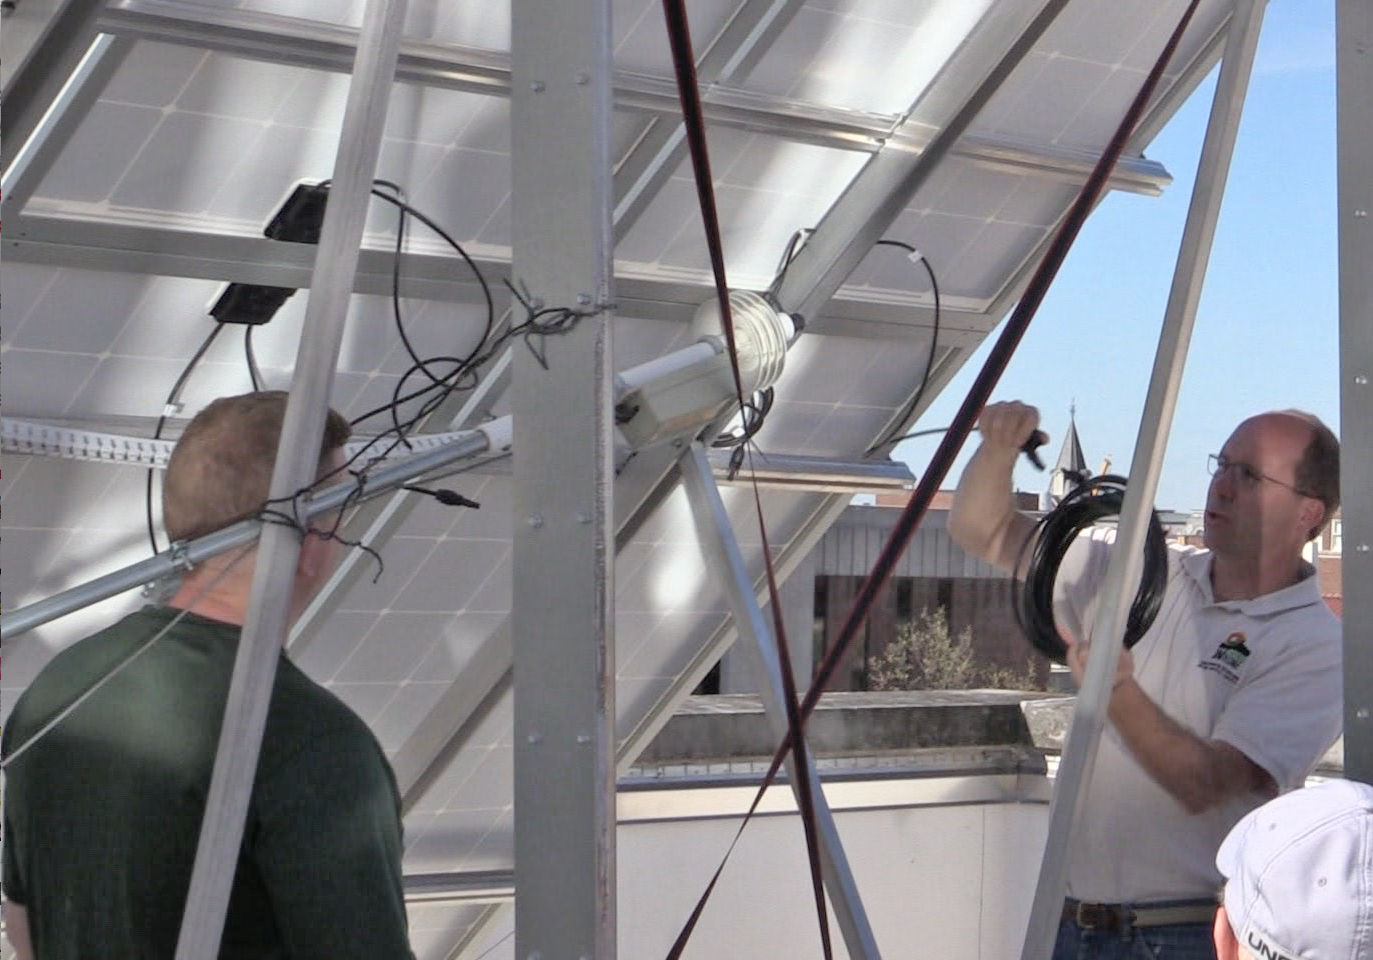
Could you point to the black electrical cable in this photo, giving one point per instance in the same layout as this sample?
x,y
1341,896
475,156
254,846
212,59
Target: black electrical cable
x,y
788,255
172,399
914,403
461,365
446,384
541,322
1030,447
449,498
751,418
919,433
1033,601
395,283
254,374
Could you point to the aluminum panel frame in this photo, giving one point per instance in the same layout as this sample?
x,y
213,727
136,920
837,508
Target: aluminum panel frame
x,y
1354,80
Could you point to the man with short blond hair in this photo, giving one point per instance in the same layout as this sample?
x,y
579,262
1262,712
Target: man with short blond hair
x,y
103,811
221,467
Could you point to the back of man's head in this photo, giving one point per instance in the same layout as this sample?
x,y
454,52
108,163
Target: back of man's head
x,y
1318,471
220,470
1299,875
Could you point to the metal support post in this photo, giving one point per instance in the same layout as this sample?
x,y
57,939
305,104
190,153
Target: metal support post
x,y
1354,79
563,548
264,631
1123,572
721,553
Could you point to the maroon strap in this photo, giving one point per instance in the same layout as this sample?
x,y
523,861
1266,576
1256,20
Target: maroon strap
x,y
953,438
679,37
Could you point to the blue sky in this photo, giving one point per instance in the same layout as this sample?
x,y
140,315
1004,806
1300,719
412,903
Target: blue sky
x,y
1267,327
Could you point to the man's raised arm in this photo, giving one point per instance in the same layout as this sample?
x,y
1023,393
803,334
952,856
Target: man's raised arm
x,y
984,520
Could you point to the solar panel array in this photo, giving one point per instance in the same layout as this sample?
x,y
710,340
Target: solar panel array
x,y
155,192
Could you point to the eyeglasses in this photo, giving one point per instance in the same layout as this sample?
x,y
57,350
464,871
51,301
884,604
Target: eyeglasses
x,y
1249,477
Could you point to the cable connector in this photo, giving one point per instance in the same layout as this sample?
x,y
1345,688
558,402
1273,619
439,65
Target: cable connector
x,y
449,498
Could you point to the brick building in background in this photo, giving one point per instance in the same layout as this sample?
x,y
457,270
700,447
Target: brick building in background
x,y
1325,553
933,574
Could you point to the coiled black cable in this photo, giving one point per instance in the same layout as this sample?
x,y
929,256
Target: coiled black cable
x,y
1055,532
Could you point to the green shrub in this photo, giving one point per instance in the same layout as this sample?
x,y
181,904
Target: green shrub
x,y
924,655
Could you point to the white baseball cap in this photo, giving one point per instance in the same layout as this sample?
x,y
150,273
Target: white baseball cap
x,y
1299,875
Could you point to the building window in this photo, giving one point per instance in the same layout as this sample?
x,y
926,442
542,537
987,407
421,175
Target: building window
x,y
1336,535
944,596
904,600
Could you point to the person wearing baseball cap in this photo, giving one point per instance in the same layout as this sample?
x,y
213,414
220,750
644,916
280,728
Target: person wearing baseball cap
x,y
1299,877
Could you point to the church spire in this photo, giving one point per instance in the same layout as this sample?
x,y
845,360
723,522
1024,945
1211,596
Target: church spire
x,y
1071,468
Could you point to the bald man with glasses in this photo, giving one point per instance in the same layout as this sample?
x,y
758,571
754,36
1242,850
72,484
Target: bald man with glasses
x,y
1230,697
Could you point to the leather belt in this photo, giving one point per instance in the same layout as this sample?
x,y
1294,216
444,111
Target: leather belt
x,y
1124,916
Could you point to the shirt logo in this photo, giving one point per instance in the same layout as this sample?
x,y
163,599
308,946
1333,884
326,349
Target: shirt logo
x,y
1229,657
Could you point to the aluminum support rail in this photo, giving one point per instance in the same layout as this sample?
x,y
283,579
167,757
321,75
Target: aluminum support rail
x,y
475,886
34,83
73,102
1354,80
264,629
1127,558
721,553
183,556
563,544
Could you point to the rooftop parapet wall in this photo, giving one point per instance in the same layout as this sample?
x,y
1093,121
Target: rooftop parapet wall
x,y
934,730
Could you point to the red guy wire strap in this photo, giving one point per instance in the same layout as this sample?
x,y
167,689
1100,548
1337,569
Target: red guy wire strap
x,y
679,36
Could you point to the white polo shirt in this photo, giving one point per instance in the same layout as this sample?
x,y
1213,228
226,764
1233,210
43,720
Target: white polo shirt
x,y
1263,675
